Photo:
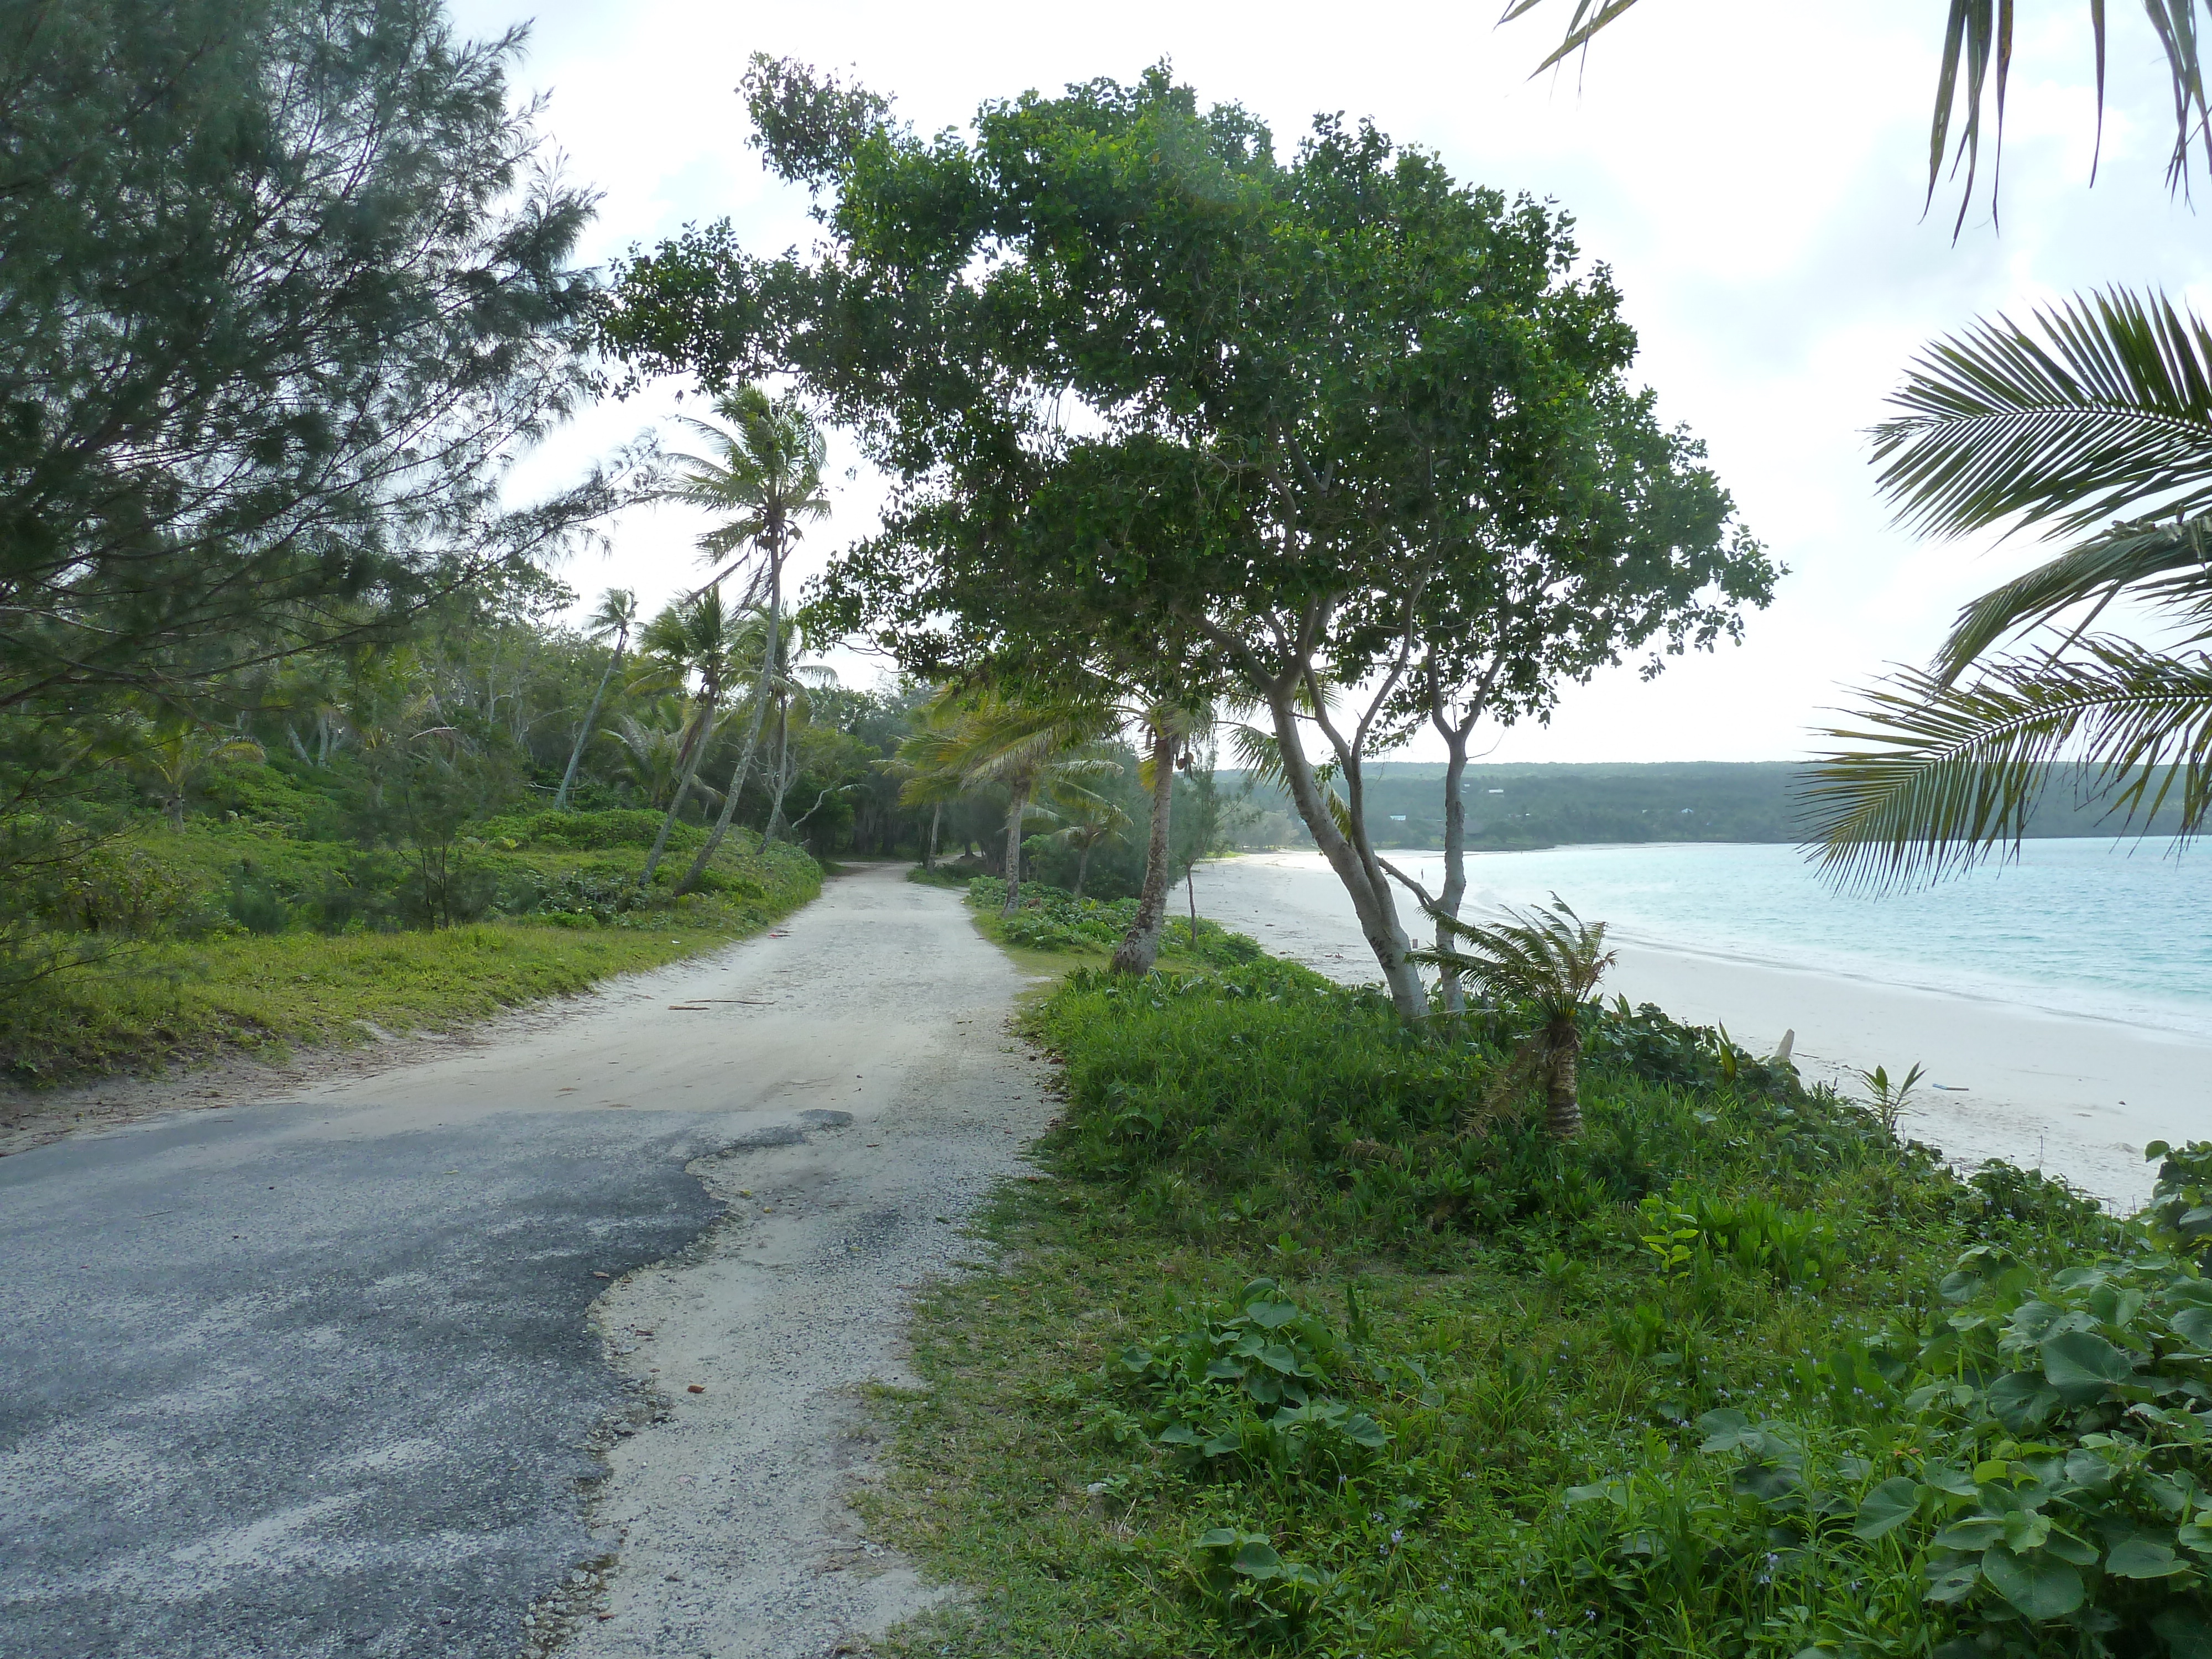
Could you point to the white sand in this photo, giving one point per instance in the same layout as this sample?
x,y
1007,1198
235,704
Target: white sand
x,y
2078,1097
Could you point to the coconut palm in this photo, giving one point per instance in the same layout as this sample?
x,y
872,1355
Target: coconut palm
x,y
176,756
990,738
2101,407
651,751
1087,820
1546,962
764,474
691,642
616,616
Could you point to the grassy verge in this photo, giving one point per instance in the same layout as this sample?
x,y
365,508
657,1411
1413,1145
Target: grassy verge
x,y
1278,1358
159,1002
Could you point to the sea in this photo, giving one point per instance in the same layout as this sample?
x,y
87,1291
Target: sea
x,y
2091,928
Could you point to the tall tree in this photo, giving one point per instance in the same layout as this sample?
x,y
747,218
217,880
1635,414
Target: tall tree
x,y
283,291
615,614
1606,536
692,644
1279,347
764,473
2098,411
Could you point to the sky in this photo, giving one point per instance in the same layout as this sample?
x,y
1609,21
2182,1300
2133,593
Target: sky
x,y
1752,171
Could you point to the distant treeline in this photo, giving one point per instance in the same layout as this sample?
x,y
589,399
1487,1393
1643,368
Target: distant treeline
x,y
1510,807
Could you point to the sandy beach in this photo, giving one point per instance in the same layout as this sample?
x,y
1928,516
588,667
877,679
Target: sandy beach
x,y
2078,1097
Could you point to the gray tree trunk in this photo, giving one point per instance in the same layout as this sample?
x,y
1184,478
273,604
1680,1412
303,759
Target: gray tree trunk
x,y
584,733
1352,858
782,771
929,858
1140,946
1454,888
1017,809
683,788
752,738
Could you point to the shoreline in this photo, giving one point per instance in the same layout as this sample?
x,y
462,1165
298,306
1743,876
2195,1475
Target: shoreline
x,y
2074,1094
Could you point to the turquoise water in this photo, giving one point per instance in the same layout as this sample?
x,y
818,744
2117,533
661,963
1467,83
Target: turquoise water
x,y
2080,927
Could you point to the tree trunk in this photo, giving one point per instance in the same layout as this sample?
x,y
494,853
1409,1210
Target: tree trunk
x,y
683,788
1083,866
929,858
1140,946
1017,809
1454,888
782,771
1563,1106
584,733
1353,860
760,714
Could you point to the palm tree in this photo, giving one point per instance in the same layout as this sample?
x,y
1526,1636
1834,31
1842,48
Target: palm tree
x,y
616,616
765,473
1087,822
1548,962
689,642
651,756
177,755
927,761
991,738
2102,407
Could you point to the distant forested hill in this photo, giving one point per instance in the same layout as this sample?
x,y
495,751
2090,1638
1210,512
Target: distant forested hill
x,y
1530,806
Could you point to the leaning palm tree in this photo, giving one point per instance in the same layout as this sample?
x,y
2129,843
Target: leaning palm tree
x,y
764,474
1021,746
1087,821
690,643
2101,408
1546,962
616,616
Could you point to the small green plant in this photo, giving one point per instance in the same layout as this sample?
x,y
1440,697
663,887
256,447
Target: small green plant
x,y
1888,1100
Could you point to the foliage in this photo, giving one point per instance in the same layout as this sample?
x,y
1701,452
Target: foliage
x,y
289,292
228,939
1216,1396
2101,407
1418,363
1054,918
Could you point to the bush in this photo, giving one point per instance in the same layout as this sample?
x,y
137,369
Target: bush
x,y
585,832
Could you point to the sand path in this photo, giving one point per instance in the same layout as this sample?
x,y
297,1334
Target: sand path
x,y
405,1363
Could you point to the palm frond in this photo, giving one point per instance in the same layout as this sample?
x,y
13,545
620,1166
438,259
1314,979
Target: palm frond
x,y
2102,407
1947,774
1976,66
1549,957
2166,564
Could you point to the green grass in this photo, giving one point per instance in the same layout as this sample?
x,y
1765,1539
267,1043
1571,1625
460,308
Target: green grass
x,y
149,1003
1625,1398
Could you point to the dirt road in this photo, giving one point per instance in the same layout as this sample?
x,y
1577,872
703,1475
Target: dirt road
x,y
559,1335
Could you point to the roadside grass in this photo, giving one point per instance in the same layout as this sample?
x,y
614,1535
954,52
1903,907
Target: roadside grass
x,y
149,1003
1277,1356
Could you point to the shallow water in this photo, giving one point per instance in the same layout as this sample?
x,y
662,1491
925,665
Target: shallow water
x,y
2074,926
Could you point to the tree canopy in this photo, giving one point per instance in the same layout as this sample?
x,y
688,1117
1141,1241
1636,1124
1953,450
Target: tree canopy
x,y
1156,396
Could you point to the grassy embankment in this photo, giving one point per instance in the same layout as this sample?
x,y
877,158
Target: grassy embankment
x,y
273,940
1286,1353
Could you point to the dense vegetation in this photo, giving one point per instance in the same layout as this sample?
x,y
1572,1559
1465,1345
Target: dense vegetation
x,y
1298,1349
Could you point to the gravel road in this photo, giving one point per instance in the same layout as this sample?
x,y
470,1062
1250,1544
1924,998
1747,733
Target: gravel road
x,y
555,1340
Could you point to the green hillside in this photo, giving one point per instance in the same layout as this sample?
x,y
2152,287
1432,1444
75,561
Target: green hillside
x,y
1526,805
